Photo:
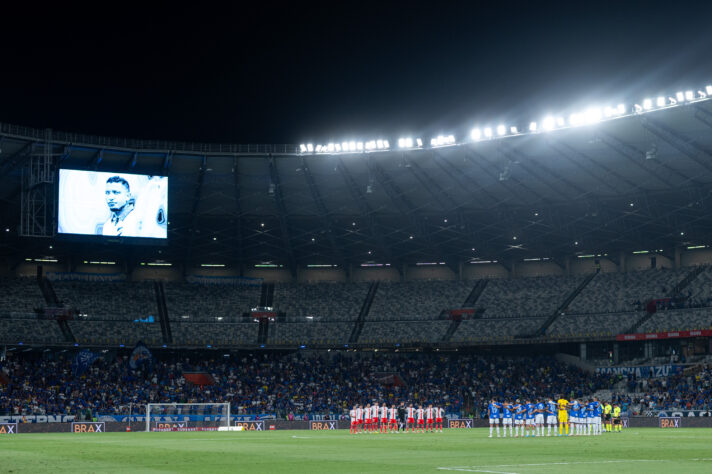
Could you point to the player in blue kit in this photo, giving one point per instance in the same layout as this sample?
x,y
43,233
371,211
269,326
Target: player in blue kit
x,y
493,408
519,411
597,410
539,411
551,417
574,416
507,415
531,414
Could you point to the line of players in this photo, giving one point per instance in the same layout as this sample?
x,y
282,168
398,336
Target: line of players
x,y
529,418
384,419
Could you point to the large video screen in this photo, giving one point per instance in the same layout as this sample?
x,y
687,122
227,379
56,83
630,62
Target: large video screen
x,y
112,204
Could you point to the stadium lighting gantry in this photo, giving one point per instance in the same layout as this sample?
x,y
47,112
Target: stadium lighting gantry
x,y
587,117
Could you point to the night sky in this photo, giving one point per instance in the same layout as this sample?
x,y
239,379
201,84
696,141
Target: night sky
x,y
292,73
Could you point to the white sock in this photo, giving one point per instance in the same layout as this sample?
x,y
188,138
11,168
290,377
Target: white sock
x,y
490,430
498,431
510,430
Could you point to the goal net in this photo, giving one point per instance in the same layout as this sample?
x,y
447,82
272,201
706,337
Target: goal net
x,y
187,416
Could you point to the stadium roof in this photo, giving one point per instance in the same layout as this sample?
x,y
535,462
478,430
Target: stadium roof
x,y
641,182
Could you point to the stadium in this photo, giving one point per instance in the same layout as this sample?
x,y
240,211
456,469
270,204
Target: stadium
x,y
366,302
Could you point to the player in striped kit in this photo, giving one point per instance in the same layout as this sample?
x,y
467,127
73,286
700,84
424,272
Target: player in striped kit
x,y
359,418
411,418
354,419
439,415
429,418
367,418
420,414
393,419
384,418
374,418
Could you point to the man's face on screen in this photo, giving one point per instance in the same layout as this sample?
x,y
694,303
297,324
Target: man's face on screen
x,y
116,196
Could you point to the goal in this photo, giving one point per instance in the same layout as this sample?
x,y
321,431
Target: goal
x,y
187,416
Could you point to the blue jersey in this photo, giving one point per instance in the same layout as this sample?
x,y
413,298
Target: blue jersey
x,y
507,411
597,409
518,412
575,407
551,408
494,410
540,408
530,411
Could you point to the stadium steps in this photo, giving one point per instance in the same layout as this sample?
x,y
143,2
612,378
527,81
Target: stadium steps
x,y
52,301
365,309
469,302
676,291
267,295
475,293
562,307
163,312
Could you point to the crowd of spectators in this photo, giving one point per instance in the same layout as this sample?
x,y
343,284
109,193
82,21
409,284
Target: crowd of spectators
x,y
302,383
677,392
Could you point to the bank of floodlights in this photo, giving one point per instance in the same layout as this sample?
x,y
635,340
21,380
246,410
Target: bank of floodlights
x,y
589,116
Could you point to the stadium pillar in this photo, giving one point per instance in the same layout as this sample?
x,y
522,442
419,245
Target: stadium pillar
x,y
616,352
621,264
459,270
567,266
677,257
582,351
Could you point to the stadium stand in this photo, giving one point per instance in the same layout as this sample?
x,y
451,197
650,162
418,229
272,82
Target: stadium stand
x,y
380,332
418,299
217,333
312,332
29,331
126,333
332,301
678,320
205,302
617,292
108,300
497,329
19,296
534,296
282,384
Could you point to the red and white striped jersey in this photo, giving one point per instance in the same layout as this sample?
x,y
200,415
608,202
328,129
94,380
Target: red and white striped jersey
x,y
352,414
420,412
439,413
393,413
384,412
374,412
411,412
359,414
367,413
429,413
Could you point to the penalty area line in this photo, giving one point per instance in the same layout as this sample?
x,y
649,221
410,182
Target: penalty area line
x,y
494,466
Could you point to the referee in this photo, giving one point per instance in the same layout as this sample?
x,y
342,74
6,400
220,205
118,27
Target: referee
x,y
607,416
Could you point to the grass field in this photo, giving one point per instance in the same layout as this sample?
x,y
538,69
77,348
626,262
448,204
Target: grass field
x,y
648,450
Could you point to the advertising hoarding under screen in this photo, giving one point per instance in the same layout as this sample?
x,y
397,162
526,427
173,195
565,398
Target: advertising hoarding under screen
x,y
112,204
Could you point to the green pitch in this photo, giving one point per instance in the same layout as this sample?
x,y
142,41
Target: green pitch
x,y
635,450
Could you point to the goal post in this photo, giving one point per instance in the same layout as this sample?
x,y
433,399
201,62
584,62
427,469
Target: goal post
x,y
188,415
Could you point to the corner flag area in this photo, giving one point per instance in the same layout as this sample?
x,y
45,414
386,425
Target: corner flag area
x,y
648,450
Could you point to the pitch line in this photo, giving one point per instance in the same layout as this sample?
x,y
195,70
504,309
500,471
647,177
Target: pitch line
x,y
482,468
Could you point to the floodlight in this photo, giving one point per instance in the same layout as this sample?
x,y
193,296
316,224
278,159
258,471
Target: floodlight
x,y
549,123
672,100
409,142
345,146
621,109
352,146
419,142
513,130
609,111
533,127
660,101
330,147
476,134
501,130
433,142
648,104
451,139
359,146
593,115
379,144
574,119
689,95
370,145
488,132
708,89
303,148
318,148
680,96
310,147
337,147
702,94
560,121
386,145
637,108
401,143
